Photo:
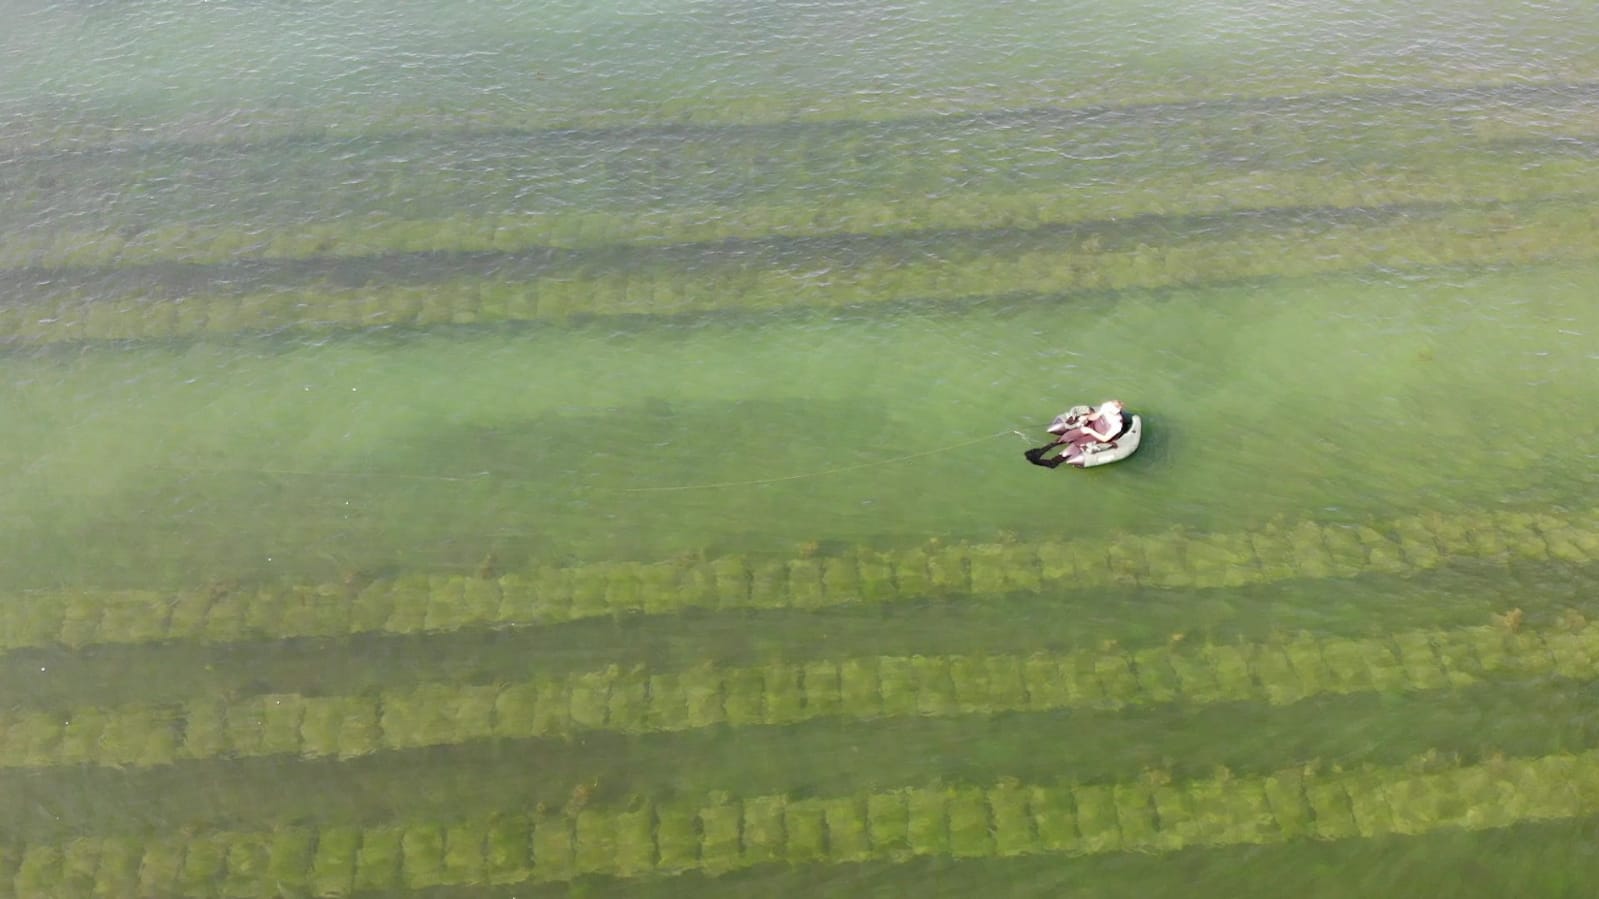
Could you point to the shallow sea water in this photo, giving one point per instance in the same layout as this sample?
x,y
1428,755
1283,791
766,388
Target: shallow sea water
x,y
569,449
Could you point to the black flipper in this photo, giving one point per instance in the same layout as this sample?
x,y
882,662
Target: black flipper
x,y
1036,456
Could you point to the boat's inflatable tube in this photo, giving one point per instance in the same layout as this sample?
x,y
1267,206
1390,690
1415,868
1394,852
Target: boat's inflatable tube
x,y
1125,444
1075,446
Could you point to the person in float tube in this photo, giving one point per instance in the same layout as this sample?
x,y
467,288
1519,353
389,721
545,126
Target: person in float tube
x,y
1104,425
1080,428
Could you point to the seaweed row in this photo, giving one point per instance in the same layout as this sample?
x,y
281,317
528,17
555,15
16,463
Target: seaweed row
x,y
635,701
1474,236
660,169
722,833
1129,93
1196,193
1553,231
551,594
690,177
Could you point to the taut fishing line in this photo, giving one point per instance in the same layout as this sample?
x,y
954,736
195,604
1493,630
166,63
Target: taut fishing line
x,y
711,485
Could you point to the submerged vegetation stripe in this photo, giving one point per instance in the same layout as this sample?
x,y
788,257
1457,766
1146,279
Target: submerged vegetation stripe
x,y
1158,196
635,701
1127,94
418,603
485,224
722,833
1474,235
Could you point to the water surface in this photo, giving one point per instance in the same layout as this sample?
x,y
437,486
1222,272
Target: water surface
x,y
302,306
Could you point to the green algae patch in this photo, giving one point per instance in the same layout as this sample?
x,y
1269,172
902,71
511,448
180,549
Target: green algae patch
x,y
1157,680
897,679
40,872
161,866
1135,815
635,701
1097,819
204,863
703,695
970,824
332,870
805,821
765,837
117,873
377,864
1330,803
784,694
1054,812
888,825
422,856
290,854
721,835
823,689
860,691
969,677
417,603
1010,804
677,836
724,833
927,822
635,842
508,849
1289,805
745,696
553,847
595,842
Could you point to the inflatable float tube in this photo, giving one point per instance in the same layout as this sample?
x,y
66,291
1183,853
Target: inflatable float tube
x,y
1124,445
1089,454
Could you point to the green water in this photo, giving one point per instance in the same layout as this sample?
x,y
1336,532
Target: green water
x,y
443,299
603,442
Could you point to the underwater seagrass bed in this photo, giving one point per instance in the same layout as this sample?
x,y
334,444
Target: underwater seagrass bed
x,y
562,449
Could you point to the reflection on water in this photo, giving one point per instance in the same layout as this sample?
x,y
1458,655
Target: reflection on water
x,y
604,416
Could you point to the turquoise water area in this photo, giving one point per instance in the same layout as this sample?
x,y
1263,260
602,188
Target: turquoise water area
x,y
510,449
